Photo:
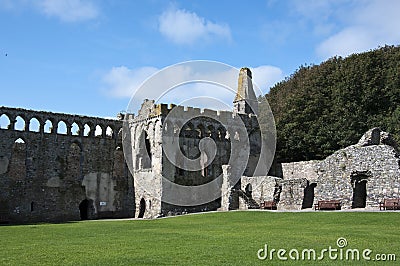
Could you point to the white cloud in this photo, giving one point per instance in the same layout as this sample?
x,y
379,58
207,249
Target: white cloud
x,y
65,10
184,27
367,25
68,10
266,76
122,81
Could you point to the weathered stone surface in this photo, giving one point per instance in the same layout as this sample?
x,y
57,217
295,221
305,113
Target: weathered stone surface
x,y
43,171
371,161
360,176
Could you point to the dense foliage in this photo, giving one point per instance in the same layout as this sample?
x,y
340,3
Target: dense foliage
x,y
322,108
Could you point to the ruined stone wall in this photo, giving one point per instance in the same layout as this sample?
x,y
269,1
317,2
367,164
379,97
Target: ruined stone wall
x,y
56,167
157,126
145,158
370,163
379,164
258,189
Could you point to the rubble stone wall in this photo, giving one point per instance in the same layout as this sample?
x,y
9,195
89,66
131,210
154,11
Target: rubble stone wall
x,y
47,174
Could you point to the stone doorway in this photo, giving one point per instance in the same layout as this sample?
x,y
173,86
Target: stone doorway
x,y
359,194
359,184
308,198
83,209
142,208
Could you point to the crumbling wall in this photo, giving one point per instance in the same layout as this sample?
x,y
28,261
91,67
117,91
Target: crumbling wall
x,y
46,173
185,127
373,162
258,189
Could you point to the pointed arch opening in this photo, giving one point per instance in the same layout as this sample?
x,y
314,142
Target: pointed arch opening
x,y
48,126
86,209
19,124
98,131
109,132
34,125
142,208
144,152
75,130
86,130
62,128
4,121
17,166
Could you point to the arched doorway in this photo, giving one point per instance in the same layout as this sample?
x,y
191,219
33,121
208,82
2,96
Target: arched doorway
x,y
308,199
249,190
359,194
359,184
142,208
85,209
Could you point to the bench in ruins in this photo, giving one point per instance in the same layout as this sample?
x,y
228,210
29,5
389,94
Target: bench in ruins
x,y
328,205
268,205
390,204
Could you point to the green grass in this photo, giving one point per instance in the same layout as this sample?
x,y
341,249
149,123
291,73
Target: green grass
x,y
226,238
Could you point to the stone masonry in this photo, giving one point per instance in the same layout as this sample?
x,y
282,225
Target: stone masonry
x,y
360,176
59,167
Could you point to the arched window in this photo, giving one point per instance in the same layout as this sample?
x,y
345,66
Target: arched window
x,y
221,133
34,125
119,162
48,126
86,130
99,131
4,121
210,131
168,128
20,124
144,152
62,128
109,132
17,168
75,129
200,130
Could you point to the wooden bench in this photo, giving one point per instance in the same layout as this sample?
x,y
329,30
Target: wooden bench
x,y
328,205
268,205
390,204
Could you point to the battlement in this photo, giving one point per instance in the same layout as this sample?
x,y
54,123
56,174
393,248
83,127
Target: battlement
x,y
58,123
150,110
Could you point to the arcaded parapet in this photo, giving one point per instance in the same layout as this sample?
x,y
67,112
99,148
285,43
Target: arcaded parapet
x,y
60,167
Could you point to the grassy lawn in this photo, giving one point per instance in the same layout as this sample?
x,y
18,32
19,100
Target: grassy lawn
x,y
226,238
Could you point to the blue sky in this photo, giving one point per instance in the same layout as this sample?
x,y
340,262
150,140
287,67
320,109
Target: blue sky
x,y
88,57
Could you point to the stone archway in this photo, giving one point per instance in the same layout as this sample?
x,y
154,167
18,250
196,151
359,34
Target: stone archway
x,y
86,209
308,198
359,183
249,190
142,208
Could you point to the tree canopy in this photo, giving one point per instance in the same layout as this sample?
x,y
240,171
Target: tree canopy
x,y
322,108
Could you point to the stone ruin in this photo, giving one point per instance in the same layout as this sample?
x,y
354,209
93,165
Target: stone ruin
x,y
360,176
60,167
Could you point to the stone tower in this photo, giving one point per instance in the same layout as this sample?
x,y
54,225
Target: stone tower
x,y
169,165
245,101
